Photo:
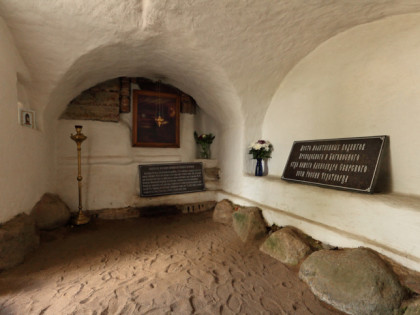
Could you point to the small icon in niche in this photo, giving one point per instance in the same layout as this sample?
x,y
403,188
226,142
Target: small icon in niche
x,y
27,118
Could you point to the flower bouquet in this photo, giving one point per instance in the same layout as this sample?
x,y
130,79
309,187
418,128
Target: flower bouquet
x,y
204,141
260,149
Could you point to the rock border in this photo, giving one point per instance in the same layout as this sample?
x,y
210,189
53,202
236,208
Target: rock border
x,y
18,237
410,289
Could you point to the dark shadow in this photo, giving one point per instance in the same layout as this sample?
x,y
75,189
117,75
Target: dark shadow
x,y
157,211
75,247
384,181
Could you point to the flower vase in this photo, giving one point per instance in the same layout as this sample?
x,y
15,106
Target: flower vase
x,y
205,150
259,168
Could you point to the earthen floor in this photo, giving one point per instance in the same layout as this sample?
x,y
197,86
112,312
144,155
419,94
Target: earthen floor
x,y
182,264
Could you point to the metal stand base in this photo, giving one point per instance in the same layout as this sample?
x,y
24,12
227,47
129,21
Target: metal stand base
x,y
80,219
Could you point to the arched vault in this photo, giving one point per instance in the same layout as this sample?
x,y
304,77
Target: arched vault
x,y
229,55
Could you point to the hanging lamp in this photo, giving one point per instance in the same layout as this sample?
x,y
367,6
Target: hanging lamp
x,y
158,118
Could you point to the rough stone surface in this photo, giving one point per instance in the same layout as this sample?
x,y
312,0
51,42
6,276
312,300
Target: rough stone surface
x,y
287,246
356,281
413,307
105,101
50,212
17,238
408,278
91,112
187,104
197,207
249,224
101,102
223,212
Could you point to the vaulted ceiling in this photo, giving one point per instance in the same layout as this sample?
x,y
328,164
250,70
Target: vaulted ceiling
x,y
229,55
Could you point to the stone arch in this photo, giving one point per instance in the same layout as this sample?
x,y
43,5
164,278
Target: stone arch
x,y
155,58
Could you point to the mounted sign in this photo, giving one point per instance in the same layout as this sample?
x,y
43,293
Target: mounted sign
x,y
349,164
170,179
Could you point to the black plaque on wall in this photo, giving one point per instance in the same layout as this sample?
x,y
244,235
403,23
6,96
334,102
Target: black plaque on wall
x,y
170,179
349,164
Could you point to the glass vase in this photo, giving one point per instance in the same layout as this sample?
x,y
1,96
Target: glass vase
x,y
205,151
259,167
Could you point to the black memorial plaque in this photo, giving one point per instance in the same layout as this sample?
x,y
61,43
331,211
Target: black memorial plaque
x,y
349,164
170,179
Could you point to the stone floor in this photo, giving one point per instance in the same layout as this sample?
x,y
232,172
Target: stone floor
x,y
181,264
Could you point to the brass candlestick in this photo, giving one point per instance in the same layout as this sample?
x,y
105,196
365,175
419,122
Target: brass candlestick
x,y
79,137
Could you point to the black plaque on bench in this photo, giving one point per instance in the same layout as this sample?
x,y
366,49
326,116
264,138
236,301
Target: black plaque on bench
x,y
170,179
349,164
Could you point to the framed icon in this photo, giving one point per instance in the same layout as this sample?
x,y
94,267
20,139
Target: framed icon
x,y
27,118
155,119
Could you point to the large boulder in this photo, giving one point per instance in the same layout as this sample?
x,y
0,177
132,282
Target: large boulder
x,y
18,237
286,245
413,307
249,224
50,212
355,281
223,212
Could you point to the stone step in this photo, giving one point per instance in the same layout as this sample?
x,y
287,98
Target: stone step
x,y
212,173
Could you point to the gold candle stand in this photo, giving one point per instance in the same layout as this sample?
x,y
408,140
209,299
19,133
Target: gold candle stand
x,y
79,137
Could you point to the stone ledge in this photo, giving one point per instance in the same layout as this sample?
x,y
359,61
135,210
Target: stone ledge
x,y
208,163
212,173
333,229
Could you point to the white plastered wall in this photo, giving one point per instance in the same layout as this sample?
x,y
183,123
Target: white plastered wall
x,y
23,151
362,82
110,163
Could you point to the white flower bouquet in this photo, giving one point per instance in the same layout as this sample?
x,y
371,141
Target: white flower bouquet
x,y
261,149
